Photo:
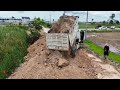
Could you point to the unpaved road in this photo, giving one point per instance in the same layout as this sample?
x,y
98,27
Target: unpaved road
x,y
46,29
83,66
90,29
109,71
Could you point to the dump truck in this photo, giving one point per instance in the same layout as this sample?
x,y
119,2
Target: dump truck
x,y
66,40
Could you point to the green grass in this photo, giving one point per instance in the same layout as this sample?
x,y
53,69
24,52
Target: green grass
x,y
99,51
88,25
94,25
20,26
13,47
101,31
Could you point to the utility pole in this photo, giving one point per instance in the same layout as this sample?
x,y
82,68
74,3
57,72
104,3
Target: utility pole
x,y
86,25
45,19
50,18
86,20
64,13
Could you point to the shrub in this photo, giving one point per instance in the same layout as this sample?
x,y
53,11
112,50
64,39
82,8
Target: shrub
x,y
23,27
111,22
117,22
34,36
98,26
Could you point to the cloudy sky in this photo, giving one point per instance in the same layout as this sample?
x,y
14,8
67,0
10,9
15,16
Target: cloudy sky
x,y
96,15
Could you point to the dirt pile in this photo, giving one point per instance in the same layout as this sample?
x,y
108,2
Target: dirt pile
x,y
62,63
50,57
63,25
43,63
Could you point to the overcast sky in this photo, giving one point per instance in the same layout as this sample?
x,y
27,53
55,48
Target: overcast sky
x,y
96,15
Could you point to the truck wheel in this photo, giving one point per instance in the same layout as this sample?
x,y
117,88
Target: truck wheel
x,y
73,52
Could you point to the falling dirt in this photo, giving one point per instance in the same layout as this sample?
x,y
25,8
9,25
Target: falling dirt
x,y
40,63
63,25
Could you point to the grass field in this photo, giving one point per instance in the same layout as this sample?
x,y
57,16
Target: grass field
x,y
95,25
99,51
14,41
88,25
13,47
102,31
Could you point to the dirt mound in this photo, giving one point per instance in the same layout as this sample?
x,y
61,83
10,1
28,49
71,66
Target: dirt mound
x,y
43,63
51,57
63,25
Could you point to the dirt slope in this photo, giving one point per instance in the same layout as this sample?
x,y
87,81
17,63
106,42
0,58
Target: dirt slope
x,y
40,63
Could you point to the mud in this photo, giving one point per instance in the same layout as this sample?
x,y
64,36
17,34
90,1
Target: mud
x,y
112,38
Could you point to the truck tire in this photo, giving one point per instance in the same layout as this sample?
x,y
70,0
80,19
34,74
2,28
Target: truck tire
x,y
73,52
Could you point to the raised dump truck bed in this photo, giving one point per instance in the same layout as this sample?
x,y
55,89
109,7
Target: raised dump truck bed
x,y
58,41
62,36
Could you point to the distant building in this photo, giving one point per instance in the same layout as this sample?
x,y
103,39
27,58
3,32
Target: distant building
x,y
10,21
13,20
48,21
98,22
25,20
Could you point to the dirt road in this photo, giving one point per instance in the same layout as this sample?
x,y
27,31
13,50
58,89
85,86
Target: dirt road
x,y
83,66
109,72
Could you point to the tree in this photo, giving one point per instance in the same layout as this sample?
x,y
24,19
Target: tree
x,y
37,23
112,16
104,22
117,22
92,20
20,23
98,26
111,22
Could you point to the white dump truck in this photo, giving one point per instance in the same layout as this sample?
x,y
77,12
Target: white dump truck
x,y
69,41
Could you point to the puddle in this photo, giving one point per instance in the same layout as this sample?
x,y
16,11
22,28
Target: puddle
x,y
112,49
115,50
91,36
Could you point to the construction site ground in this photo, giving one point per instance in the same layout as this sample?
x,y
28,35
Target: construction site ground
x,y
40,63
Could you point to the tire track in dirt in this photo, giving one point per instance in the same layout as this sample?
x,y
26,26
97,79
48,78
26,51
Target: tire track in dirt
x,y
108,72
